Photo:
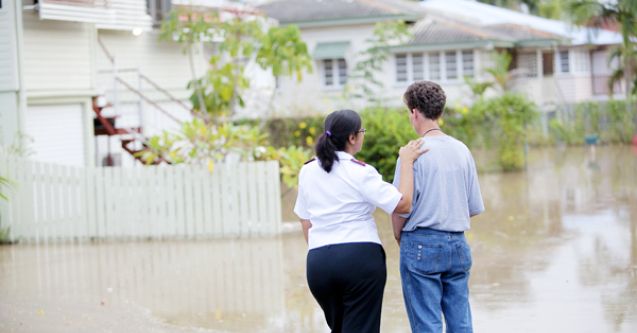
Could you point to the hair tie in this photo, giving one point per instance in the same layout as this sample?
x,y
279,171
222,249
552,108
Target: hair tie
x,y
328,133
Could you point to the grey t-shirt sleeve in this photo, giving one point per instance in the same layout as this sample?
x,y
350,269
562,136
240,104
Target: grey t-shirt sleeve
x,y
476,205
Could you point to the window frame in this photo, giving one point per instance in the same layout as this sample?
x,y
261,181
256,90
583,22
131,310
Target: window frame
x,y
336,73
427,66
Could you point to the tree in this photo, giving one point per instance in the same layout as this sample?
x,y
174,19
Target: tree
x,y
188,28
603,13
235,41
500,71
363,82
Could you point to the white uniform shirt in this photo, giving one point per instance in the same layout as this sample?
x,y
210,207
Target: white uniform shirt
x,y
340,203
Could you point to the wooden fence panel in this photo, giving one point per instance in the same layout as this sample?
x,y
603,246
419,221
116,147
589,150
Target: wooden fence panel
x,y
50,202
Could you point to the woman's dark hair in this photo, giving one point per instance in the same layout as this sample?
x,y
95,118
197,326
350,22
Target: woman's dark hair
x,y
339,125
427,97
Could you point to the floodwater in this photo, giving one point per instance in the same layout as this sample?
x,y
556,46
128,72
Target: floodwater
x,y
556,251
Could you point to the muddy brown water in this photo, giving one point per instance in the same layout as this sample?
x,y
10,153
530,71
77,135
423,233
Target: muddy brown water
x,y
556,251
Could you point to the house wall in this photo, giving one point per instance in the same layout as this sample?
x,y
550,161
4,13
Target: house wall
x,y
58,56
127,15
456,90
310,96
58,65
162,61
9,78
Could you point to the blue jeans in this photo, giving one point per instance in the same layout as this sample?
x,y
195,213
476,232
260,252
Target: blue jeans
x,y
434,267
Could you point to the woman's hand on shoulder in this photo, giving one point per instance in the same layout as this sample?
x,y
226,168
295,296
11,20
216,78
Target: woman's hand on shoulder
x,y
411,151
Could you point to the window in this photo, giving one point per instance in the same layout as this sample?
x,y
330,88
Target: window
x,y
429,66
581,61
434,66
467,63
451,65
334,72
564,61
158,10
527,63
401,68
417,67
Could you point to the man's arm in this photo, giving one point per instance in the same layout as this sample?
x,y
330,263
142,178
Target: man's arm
x,y
397,223
306,225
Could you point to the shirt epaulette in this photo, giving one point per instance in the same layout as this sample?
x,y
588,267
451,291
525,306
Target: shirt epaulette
x,y
311,160
358,162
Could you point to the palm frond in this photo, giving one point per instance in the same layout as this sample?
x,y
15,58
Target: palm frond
x,y
615,77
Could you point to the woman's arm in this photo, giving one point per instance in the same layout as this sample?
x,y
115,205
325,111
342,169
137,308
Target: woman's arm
x,y
408,155
305,225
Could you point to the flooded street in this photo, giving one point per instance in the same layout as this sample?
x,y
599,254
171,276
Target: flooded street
x,y
555,251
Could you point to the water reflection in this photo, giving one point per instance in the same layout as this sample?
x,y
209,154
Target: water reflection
x,y
555,251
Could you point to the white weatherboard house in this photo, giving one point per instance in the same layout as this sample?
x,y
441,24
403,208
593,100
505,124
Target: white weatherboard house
x,y
553,63
58,56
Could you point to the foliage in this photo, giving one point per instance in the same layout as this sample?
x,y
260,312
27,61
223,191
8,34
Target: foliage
x,y
301,132
505,119
5,233
198,143
553,9
235,42
5,236
4,183
604,13
500,73
363,81
610,121
283,51
387,130
291,160
478,88
619,55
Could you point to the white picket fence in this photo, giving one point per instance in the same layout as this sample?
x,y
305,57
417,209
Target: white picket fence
x,y
53,202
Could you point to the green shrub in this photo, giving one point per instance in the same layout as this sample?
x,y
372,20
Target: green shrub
x,y
503,123
387,131
609,121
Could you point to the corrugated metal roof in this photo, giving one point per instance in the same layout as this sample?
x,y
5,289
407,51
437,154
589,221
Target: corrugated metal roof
x,y
287,11
517,25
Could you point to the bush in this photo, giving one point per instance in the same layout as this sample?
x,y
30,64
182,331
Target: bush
x,y
387,131
609,121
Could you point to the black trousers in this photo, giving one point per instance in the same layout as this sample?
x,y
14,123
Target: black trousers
x,y
348,280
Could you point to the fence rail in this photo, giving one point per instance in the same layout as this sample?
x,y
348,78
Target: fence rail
x,y
53,202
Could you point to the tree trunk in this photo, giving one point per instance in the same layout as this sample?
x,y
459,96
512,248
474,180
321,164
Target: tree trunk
x,y
202,103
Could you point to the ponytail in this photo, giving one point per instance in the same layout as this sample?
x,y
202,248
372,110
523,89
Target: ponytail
x,y
339,125
326,152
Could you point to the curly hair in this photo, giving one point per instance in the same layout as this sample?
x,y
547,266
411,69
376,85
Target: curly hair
x,y
427,97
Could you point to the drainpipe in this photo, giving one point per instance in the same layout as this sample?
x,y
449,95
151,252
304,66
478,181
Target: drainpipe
x,y
22,93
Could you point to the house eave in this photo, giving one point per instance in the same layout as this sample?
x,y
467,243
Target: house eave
x,y
349,21
489,44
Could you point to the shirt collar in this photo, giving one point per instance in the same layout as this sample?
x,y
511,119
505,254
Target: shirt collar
x,y
344,156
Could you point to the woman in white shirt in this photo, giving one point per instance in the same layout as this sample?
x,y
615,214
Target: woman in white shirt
x,y
346,269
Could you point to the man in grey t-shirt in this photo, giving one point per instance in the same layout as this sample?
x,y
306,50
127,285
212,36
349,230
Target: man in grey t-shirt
x,y
435,258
